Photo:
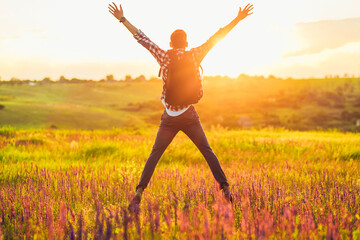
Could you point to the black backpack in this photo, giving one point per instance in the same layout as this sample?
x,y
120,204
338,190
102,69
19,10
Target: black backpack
x,y
183,85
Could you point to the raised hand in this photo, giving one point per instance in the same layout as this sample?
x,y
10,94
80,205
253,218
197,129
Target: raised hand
x,y
118,13
246,12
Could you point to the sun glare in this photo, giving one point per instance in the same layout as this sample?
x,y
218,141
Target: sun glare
x,y
80,32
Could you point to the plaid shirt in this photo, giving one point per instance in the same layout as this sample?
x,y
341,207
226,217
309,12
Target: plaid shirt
x,y
163,58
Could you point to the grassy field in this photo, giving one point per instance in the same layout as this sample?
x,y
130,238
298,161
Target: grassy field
x,y
76,184
84,106
304,104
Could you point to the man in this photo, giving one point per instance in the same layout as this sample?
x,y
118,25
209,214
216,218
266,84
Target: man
x,y
184,116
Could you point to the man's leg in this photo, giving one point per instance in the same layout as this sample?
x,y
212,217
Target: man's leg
x,y
197,135
164,137
166,133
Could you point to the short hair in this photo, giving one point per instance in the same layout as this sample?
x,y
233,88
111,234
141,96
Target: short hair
x,y
179,39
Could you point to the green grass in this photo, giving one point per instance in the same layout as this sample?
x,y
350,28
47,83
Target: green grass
x,y
74,106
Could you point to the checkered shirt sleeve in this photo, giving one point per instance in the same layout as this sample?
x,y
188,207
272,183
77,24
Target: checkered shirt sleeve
x,y
155,50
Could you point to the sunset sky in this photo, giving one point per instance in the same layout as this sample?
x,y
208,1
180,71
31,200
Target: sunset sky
x,y
43,38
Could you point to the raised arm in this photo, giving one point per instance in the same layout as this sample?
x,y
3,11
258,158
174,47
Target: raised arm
x,y
200,52
119,14
241,15
154,49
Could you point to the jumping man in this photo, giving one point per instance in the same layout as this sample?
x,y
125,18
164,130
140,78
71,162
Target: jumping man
x,y
177,71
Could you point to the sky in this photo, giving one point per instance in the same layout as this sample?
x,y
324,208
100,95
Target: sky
x,y
78,38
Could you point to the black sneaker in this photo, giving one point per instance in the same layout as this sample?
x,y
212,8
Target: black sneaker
x,y
227,194
135,202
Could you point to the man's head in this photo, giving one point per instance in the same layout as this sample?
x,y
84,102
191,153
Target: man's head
x,y
178,39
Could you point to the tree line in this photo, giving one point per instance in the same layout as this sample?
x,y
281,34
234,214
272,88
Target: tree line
x,y
63,79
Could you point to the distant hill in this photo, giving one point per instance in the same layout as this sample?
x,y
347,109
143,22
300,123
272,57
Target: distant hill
x,y
243,102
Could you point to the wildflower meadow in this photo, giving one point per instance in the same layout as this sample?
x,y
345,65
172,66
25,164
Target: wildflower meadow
x,y
77,184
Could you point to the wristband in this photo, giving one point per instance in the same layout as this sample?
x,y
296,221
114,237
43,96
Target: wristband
x,y
122,19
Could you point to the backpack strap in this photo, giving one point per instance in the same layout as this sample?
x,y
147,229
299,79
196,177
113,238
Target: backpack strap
x,y
202,70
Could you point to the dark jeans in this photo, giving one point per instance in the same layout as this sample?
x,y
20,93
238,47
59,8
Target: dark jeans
x,y
189,123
